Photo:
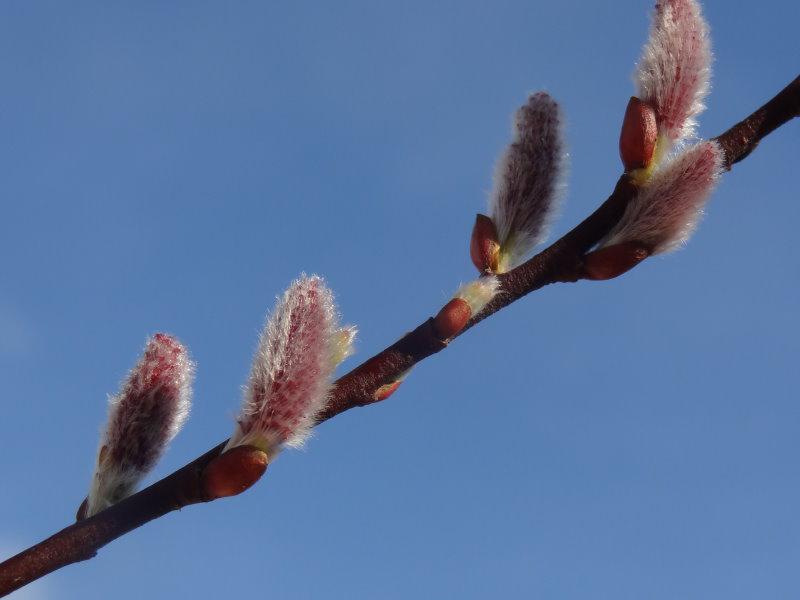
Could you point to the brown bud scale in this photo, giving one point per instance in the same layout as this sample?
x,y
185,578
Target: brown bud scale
x,y
637,140
484,247
234,471
452,318
383,392
613,261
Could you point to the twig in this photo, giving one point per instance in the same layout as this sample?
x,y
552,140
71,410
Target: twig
x,y
559,262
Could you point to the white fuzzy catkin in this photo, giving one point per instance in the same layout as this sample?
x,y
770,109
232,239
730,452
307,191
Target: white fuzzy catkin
x,y
291,376
528,180
147,413
674,71
477,294
667,209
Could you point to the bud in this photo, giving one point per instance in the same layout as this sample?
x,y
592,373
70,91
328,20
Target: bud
x,y
665,212
637,140
528,181
469,300
143,418
613,261
290,381
383,392
234,471
484,249
386,390
452,318
674,71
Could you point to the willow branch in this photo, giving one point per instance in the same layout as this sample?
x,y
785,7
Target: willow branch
x,y
559,262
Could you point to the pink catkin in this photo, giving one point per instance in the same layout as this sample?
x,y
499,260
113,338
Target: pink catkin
x,y
528,180
666,211
291,374
144,417
673,73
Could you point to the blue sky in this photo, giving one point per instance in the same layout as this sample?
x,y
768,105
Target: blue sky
x,y
173,166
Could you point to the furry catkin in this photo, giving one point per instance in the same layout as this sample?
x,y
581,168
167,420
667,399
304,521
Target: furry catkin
x,y
528,180
478,293
143,418
666,211
290,380
674,71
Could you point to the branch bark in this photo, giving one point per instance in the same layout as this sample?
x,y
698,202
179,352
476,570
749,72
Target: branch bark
x,y
558,263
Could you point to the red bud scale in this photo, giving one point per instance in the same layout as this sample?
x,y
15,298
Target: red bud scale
x,y
637,140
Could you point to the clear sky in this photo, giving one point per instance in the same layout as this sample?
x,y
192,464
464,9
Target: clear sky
x,y
174,165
